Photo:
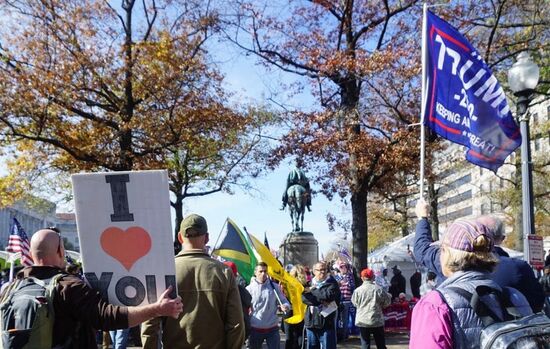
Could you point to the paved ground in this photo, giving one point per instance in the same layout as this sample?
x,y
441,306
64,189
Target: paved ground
x,y
393,341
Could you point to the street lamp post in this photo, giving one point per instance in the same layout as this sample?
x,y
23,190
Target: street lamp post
x,y
523,77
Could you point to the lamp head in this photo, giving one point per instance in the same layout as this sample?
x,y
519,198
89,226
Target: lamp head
x,y
524,74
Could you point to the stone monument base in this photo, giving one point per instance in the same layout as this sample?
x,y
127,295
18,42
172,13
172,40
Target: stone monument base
x,y
299,248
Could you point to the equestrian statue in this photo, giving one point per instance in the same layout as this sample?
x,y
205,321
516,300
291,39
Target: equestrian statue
x,y
297,196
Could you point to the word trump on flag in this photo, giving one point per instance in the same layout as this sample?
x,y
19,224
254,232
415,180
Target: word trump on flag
x,y
123,221
464,101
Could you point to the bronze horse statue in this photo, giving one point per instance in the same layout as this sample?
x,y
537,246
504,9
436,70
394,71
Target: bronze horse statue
x,y
297,201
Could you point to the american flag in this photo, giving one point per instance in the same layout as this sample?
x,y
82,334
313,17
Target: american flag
x,y
344,252
19,242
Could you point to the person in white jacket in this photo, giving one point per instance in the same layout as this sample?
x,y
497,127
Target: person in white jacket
x,y
370,299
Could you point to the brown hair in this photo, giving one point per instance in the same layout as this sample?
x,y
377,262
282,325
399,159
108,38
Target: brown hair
x,y
261,264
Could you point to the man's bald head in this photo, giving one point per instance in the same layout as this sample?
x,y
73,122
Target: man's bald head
x,y
46,248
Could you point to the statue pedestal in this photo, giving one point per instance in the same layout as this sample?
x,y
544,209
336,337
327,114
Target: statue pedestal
x,y
299,248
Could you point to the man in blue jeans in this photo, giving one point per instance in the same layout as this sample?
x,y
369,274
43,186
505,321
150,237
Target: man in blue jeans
x,y
119,338
264,322
322,300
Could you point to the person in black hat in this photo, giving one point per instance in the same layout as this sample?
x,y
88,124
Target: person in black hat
x,y
398,284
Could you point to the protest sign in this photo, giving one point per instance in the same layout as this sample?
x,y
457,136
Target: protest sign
x,y
126,244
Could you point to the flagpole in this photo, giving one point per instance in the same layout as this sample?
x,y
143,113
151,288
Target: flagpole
x,y
423,97
219,235
12,262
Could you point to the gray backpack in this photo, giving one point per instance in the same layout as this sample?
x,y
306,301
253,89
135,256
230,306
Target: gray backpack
x,y
27,314
512,332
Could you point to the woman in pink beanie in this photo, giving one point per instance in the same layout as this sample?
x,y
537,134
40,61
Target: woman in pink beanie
x,y
444,317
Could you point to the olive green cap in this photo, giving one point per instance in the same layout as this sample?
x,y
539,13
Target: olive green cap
x,y
195,222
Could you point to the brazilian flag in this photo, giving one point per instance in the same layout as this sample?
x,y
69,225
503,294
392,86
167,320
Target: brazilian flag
x,y
236,248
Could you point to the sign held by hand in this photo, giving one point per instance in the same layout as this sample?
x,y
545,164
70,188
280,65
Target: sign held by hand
x,y
123,221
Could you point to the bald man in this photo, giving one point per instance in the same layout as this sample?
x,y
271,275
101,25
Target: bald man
x,y
79,310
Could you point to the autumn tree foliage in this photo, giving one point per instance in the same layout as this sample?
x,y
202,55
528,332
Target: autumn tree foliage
x,y
121,85
361,60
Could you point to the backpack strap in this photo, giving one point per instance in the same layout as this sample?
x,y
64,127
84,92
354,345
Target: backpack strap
x,y
486,315
510,307
7,292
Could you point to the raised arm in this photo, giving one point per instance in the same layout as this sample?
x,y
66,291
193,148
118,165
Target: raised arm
x,y
424,252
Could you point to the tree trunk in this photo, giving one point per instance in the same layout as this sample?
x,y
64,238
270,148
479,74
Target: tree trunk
x,y
178,206
404,216
349,94
126,134
359,229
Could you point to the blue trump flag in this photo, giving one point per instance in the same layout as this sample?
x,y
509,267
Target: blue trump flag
x,y
464,101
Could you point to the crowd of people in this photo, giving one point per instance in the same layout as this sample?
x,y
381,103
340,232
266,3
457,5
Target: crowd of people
x,y
216,308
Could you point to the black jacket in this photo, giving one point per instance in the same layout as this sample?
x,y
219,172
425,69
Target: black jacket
x,y
246,302
315,298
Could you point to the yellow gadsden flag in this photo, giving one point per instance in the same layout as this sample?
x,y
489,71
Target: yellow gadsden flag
x,y
276,271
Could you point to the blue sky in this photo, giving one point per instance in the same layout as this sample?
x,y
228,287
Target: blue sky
x,y
258,210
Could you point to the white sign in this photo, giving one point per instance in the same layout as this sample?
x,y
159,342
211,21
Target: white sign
x,y
126,244
536,250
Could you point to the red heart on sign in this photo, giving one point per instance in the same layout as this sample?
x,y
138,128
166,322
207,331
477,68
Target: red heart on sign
x,y
126,246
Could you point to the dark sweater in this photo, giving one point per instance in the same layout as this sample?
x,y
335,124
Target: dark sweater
x,y
77,306
329,291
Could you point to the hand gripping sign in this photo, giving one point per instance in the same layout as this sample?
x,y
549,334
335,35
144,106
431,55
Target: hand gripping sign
x,y
123,221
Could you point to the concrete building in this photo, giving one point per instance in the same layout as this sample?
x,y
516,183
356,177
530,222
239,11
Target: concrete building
x,y
33,217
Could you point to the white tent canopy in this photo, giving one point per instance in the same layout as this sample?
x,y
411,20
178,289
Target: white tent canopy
x,y
396,251
397,254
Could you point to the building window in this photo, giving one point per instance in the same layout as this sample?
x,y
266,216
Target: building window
x,y
447,173
535,119
455,199
451,216
455,184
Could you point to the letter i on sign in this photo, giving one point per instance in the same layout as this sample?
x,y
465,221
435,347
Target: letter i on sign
x,y
126,246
